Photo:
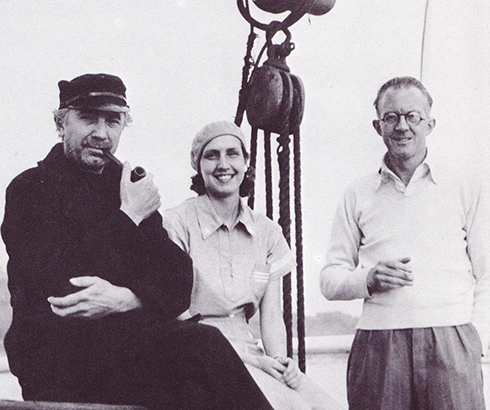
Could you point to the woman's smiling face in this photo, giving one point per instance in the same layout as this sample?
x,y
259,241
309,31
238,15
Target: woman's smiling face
x,y
223,166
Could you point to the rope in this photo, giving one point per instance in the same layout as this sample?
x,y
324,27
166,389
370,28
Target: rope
x,y
268,174
248,63
283,154
288,313
253,162
283,157
299,252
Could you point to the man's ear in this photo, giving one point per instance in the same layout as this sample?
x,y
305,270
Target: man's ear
x,y
430,125
60,125
61,132
377,127
61,129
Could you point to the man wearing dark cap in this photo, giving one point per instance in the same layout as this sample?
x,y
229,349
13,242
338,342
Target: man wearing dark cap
x,y
96,284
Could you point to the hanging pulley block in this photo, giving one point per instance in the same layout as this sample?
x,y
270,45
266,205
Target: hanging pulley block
x,y
276,98
270,99
317,8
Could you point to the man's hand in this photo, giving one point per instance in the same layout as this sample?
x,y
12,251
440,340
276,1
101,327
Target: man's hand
x,y
292,376
138,199
98,299
389,274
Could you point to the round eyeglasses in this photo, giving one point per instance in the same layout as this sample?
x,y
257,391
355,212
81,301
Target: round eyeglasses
x,y
393,118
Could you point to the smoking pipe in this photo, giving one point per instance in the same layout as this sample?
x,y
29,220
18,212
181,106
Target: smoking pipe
x,y
136,174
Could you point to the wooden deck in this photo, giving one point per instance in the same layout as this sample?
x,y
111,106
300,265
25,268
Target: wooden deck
x,y
42,405
326,364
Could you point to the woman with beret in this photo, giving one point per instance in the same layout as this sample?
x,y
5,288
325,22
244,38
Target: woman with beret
x,y
239,257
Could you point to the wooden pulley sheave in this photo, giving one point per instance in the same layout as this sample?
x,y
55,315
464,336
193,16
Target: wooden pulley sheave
x,y
274,101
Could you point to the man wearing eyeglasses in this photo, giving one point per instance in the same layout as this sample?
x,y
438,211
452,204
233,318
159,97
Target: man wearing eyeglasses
x,y
412,241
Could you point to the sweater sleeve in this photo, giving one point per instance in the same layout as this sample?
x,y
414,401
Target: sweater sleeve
x,y
342,278
478,239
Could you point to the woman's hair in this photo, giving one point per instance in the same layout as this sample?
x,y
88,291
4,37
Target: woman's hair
x,y
246,187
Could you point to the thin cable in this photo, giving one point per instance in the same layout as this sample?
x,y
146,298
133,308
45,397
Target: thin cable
x,y
422,51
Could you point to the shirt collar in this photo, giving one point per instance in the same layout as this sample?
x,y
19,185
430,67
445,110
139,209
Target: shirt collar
x,y
210,221
427,169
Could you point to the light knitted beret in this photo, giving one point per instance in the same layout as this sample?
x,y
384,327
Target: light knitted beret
x,y
211,131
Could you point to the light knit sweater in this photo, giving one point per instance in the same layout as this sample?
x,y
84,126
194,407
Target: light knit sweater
x,y
440,221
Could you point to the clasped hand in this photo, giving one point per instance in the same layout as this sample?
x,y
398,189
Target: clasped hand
x,y
390,274
97,299
283,369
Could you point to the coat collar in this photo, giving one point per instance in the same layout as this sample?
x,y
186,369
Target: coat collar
x,y
81,194
56,163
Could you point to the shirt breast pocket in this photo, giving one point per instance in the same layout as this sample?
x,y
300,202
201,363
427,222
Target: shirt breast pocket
x,y
260,279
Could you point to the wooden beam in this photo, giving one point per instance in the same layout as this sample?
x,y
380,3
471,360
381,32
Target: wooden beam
x,y
45,405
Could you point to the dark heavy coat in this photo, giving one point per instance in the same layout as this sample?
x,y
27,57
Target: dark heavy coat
x,y
61,222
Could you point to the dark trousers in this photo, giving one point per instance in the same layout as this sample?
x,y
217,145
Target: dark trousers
x,y
416,369
182,366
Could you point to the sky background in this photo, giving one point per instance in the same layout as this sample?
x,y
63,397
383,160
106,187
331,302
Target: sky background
x,y
181,61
